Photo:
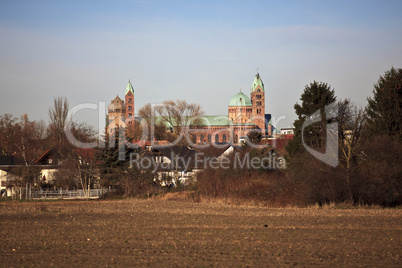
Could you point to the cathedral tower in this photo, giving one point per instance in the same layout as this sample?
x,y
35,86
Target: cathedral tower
x,y
116,109
258,102
129,97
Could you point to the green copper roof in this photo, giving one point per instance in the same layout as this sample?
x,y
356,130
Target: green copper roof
x,y
240,100
129,88
209,121
221,120
257,82
216,120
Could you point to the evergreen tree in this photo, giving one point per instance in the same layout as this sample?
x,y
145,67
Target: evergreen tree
x,y
315,97
384,108
108,160
254,136
117,172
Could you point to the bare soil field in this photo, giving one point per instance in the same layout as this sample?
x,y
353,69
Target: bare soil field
x,y
161,233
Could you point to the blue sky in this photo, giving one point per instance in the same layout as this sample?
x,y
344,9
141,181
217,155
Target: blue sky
x,y
199,51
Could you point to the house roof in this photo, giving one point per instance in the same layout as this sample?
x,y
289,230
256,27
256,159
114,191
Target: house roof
x,y
196,157
10,161
175,150
212,150
7,160
49,153
181,156
43,156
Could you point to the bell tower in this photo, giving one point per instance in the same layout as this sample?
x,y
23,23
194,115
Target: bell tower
x,y
129,101
258,102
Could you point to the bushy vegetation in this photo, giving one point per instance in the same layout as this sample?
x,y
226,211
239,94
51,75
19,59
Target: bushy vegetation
x,y
245,186
368,170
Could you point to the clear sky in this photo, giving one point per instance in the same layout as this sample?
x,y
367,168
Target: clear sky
x,y
199,51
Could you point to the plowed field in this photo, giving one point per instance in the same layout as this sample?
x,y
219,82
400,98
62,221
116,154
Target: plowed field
x,y
160,233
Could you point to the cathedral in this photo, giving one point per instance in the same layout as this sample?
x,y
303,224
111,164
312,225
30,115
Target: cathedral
x,y
244,115
120,113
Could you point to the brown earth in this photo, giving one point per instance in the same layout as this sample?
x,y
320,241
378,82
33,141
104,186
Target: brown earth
x,y
162,233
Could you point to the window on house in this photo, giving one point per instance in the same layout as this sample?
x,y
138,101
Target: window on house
x,y
129,108
209,138
201,138
216,138
224,138
129,100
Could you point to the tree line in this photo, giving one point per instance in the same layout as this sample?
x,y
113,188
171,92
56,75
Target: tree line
x,y
368,151
83,168
365,164
369,146
28,140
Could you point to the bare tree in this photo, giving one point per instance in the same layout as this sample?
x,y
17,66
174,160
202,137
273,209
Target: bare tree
x,y
29,134
152,124
23,139
147,113
58,118
350,122
78,167
85,168
8,132
169,114
180,114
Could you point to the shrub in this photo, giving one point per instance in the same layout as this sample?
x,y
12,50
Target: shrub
x,y
270,188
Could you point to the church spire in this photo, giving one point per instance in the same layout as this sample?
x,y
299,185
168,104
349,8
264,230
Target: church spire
x,y
257,83
129,88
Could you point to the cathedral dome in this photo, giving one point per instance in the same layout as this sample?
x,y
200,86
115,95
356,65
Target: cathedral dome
x,y
240,100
